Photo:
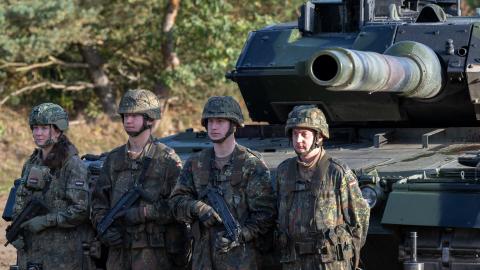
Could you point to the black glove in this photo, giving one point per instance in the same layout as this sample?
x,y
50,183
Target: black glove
x,y
19,243
112,237
210,218
206,214
223,244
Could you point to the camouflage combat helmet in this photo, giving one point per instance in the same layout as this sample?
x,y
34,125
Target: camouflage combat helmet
x,y
307,116
140,101
222,107
49,114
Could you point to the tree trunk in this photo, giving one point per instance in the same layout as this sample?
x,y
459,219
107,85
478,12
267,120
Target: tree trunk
x,y
170,58
103,87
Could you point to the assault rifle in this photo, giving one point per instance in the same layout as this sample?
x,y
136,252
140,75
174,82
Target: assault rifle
x,y
127,200
34,207
8,211
232,227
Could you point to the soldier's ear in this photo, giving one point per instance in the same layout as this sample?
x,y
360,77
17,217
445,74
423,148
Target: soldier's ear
x,y
55,132
233,126
318,138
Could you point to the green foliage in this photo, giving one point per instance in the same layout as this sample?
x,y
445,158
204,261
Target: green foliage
x,y
211,34
208,37
33,29
2,129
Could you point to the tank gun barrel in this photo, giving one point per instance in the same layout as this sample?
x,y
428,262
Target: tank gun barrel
x,y
407,68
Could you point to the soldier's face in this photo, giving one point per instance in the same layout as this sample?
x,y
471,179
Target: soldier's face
x,y
132,122
217,128
302,139
42,133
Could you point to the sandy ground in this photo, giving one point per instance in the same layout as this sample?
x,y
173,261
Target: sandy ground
x,y
7,254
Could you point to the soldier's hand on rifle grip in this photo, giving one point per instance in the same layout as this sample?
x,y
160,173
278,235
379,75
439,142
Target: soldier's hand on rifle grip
x,y
223,244
111,237
19,243
210,218
206,214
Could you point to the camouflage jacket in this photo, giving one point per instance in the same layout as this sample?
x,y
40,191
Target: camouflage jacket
x,y
119,174
66,194
322,212
247,189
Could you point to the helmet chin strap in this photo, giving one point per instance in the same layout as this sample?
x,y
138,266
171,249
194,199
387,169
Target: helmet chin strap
x,y
144,127
230,131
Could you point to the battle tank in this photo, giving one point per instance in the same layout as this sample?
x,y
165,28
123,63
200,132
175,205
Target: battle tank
x,y
399,83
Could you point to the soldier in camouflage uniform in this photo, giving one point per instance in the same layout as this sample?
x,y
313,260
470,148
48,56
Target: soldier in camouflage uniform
x,y
245,183
55,175
323,219
146,236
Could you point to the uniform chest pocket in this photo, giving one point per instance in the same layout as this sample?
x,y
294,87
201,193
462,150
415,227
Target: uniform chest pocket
x,y
154,188
326,197
327,208
155,173
38,177
201,180
122,182
237,194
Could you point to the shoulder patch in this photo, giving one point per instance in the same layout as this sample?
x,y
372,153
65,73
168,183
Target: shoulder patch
x,y
79,183
351,179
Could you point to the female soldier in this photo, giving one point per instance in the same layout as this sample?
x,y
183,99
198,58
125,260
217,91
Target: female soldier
x,y
55,175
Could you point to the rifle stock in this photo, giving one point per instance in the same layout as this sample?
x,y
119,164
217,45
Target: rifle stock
x,y
8,211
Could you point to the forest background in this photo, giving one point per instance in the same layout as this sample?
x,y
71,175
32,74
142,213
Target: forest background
x,y
84,54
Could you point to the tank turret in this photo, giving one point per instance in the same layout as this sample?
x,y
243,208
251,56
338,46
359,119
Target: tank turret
x,y
403,63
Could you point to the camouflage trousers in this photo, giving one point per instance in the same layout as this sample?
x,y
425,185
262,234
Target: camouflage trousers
x,y
312,262
54,249
138,259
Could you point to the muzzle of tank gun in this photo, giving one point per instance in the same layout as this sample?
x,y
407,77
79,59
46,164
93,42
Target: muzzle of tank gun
x,y
407,68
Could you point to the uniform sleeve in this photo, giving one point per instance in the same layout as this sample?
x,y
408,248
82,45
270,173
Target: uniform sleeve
x,y
76,193
261,200
355,207
184,195
101,193
160,210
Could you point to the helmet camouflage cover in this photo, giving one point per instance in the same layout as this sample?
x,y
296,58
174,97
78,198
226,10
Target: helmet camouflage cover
x,y
49,114
307,116
222,107
140,101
